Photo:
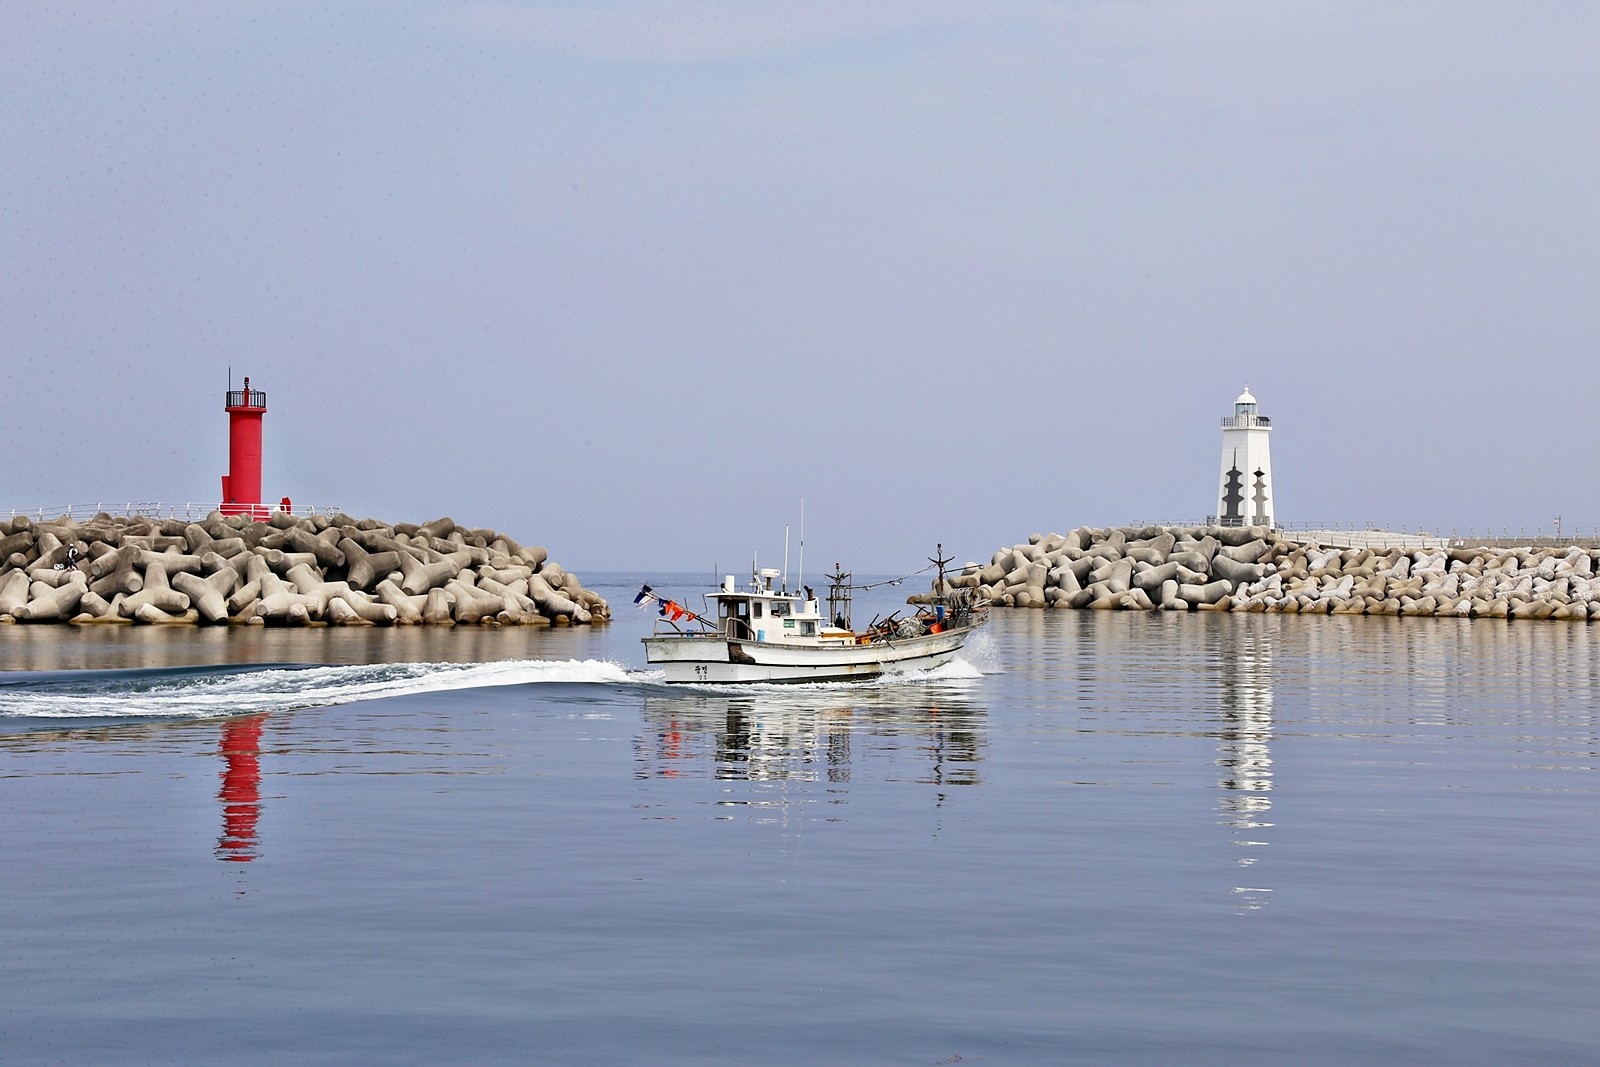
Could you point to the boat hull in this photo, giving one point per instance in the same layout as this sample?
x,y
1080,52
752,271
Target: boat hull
x,y
712,659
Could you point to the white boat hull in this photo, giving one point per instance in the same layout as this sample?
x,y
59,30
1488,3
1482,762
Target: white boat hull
x,y
714,659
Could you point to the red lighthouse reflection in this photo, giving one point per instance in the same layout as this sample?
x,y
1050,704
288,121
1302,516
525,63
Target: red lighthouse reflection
x,y
241,788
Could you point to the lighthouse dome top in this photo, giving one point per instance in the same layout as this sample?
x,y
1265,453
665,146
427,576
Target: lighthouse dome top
x,y
1245,397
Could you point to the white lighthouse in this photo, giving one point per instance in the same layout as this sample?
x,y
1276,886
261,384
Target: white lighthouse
x,y
1244,492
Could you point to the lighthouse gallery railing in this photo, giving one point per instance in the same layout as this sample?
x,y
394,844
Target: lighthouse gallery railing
x,y
246,398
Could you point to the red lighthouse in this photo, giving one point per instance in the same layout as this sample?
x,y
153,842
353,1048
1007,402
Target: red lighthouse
x,y
241,486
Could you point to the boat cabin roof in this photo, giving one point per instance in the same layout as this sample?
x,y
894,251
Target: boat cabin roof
x,y
774,596
759,598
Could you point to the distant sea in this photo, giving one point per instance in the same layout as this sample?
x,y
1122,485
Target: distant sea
x,y
1096,838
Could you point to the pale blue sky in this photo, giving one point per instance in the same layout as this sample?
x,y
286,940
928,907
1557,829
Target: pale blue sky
x,y
632,279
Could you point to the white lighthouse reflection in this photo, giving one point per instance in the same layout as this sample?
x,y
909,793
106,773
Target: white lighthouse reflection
x,y
1244,751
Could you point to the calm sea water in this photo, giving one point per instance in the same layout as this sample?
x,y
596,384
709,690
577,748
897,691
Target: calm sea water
x,y
1098,838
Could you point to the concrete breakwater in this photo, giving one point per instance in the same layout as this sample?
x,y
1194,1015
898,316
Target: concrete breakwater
x,y
289,571
1256,569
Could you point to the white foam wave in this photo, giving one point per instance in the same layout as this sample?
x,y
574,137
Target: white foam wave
x,y
234,691
981,653
285,689
957,670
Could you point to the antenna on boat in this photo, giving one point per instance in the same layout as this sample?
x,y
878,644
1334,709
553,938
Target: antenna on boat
x,y
785,557
801,579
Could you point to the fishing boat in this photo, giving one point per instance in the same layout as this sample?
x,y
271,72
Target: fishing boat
x,y
765,633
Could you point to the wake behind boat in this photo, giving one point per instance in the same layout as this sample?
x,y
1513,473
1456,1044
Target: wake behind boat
x,y
767,634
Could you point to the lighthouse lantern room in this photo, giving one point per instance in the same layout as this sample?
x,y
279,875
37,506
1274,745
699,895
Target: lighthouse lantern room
x,y
241,486
1244,495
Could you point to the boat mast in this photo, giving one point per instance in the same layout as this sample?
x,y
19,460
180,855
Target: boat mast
x,y
839,597
939,559
957,601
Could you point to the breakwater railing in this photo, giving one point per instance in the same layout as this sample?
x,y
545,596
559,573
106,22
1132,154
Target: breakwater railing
x,y
1328,534
1357,536
146,509
1378,535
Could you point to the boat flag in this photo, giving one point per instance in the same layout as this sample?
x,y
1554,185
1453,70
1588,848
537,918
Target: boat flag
x,y
667,609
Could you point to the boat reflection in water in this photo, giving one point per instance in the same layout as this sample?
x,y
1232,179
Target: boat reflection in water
x,y
915,732
240,793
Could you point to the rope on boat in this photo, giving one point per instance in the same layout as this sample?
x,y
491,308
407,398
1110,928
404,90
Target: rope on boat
x,y
894,581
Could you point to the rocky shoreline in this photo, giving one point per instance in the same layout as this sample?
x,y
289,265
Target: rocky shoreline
x,y
318,570
1256,569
